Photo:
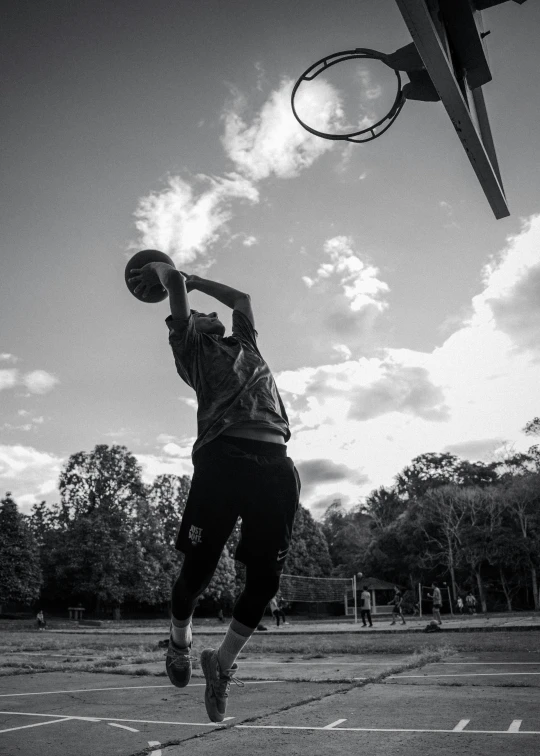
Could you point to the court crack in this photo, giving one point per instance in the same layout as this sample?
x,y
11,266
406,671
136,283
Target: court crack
x,y
416,662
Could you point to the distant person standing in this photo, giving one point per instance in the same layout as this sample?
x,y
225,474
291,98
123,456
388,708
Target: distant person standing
x,y
436,597
281,610
274,608
40,618
470,600
397,610
459,603
365,607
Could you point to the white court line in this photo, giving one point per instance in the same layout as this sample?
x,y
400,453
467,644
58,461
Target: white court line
x,y
461,725
38,724
126,687
106,719
81,690
124,727
62,656
492,664
334,724
387,729
318,663
516,724
467,674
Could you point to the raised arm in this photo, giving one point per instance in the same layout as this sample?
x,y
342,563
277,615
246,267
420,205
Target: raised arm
x,y
236,300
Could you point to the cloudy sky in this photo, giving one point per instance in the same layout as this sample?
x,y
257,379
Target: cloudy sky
x,y
398,316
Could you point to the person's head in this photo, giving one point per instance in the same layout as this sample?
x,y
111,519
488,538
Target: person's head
x,y
434,585
366,588
208,323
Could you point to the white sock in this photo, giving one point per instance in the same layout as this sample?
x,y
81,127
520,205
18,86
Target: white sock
x,y
235,639
181,632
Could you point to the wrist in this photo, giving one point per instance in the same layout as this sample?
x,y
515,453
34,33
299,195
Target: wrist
x,y
167,274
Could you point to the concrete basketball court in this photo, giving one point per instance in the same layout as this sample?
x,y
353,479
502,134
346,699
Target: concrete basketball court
x,y
478,702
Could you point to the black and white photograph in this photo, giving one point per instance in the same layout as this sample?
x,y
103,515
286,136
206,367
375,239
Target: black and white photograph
x,y
269,377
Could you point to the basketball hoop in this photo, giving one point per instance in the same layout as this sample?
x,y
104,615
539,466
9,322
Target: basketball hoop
x,y
362,135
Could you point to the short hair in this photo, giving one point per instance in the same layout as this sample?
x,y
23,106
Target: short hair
x,y
366,588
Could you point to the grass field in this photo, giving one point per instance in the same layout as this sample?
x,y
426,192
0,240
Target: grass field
x,y
27,651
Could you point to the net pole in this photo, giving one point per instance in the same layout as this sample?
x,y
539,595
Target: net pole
x,y
420,598
355,607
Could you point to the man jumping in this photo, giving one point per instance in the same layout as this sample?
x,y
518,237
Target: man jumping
x,y
241,469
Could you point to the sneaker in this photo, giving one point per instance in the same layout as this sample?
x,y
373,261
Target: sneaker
x,y
218,683
178,664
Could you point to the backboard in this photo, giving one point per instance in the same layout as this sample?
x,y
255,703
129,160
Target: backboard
x,y
449,36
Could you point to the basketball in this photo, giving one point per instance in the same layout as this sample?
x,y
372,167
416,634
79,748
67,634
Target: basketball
x,y
139,260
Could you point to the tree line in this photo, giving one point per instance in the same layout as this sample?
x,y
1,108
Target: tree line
x,y
475,526
108,543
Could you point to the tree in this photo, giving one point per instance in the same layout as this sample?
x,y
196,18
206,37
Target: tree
x,y
168,495
522,496
20,574
532,428
105,478
348,535
109,547
222,587
49,536
427,471
432,470
385,505
440,519
480,526
308,553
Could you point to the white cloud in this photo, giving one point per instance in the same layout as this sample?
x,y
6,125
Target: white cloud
x,y
343,351
471,395
189,401
274,143
154,465
358,279
370,91
5,357
175,450
185,220
185,223
28,473
165,438
8,379
36,381
355,289
249,241
512,293
39,381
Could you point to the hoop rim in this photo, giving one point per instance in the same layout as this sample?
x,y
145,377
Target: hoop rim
x,y
341,57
